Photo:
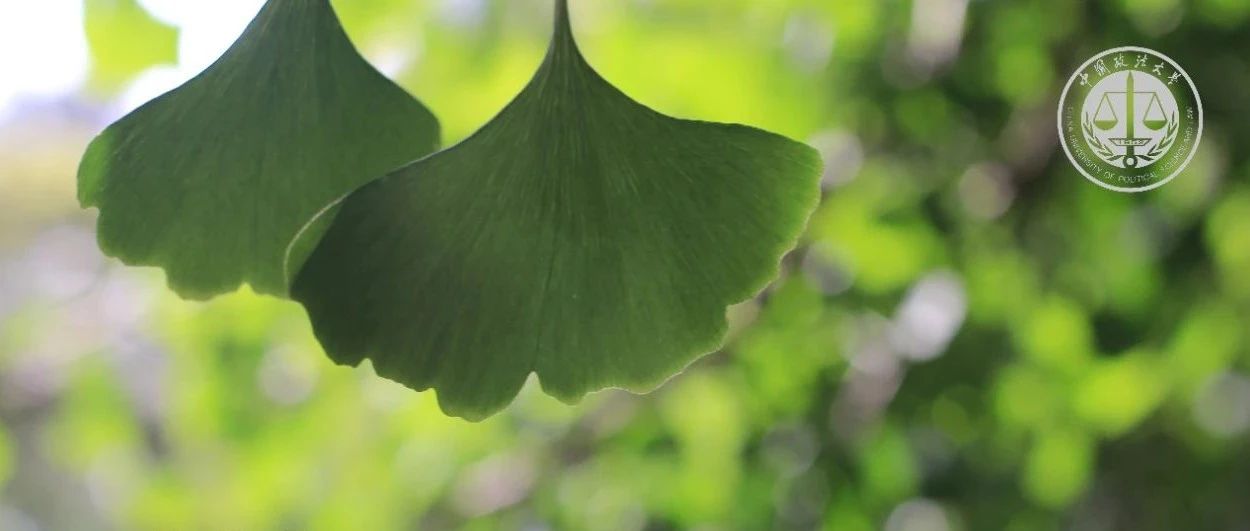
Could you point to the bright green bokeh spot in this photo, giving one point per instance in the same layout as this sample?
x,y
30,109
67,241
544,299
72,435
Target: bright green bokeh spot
x,y
785,351
704,414
1207,342
856,26
862,226
1118,393
124,41
890,472
214,180
1057,335
579,235
1001,284
1058,467
6,456
1228,238
1023,73
1026,397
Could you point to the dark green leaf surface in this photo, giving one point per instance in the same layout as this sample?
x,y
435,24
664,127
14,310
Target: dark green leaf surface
x,y
578,235
213,180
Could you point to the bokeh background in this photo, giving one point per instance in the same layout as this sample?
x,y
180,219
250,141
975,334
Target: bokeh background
x,y
972,336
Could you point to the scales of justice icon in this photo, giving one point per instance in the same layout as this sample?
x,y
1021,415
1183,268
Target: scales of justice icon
x,y
1105,118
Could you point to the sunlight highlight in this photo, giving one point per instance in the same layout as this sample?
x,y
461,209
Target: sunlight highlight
x,y
43,49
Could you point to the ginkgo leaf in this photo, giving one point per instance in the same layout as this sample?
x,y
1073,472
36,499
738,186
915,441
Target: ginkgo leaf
x,y
579,236
213,180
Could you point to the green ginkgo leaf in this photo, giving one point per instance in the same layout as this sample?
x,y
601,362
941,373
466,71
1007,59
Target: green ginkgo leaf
x,y
213,180
578,235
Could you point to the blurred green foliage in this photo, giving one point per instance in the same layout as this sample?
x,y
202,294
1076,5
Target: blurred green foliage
x,y
114,60
1098,378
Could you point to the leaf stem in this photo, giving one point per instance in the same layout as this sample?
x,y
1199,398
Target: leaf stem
x,y
563,27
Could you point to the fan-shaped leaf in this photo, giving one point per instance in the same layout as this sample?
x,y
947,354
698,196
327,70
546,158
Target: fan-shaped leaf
x,y
578,235
213,180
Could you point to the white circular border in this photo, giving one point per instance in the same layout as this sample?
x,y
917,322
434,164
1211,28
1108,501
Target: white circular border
x,y
1063,96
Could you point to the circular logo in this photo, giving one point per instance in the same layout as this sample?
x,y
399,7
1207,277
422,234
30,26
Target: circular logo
x,y
1130,119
